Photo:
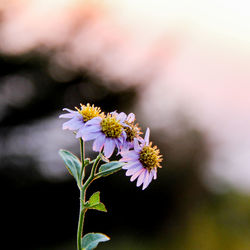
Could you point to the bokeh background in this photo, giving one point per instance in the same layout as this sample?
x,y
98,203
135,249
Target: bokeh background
x,y
182,66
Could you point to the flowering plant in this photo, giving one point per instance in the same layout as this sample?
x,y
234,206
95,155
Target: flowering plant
x,y
108,132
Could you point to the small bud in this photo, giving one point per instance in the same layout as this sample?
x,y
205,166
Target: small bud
x,y
86,162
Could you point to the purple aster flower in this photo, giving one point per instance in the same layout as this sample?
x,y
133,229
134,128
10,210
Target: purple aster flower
x,y
79,118
142,162
132,130
107,132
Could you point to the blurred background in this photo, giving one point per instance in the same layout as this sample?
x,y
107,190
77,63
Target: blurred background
x,y
183,67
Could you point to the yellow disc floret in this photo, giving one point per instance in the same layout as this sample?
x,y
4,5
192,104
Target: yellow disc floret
x,y
89,112
132,131
111,127
150,157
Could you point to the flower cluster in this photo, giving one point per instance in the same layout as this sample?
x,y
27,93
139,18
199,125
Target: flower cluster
x,y
116,131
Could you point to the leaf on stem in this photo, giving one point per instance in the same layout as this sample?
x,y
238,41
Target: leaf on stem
x,y
100,207
95,198
109,168
91,240
94,203
73,164
104,158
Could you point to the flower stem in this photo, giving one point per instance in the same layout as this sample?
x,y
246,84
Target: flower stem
x,y
83,190
80,223
82,149
92,174
82,198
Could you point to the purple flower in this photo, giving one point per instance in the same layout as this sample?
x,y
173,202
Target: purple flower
x,y
107,132
75,122
142,162
79,118
132,130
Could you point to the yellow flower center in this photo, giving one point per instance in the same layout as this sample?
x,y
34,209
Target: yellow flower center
x,y
89,112
132,132
111,127
150,157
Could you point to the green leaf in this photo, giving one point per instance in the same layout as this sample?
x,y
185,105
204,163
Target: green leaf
x,y
72,163
104,158
109,168
94,199
94,203
100,207
91,240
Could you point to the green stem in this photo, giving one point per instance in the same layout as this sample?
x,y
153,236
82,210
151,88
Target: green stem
x,y
80,224
82,149
92,174
83,190
82,198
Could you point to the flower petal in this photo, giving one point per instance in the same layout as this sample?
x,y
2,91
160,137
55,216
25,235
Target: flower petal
x,y
127,159
109,147
133,177
148,179
123,136
129,145
86,136
73,124
141,140
131,117
146,138
131,164
125,146
71,113
85,130
118,145
98,143
94,121
69,110
133,170
141,178
66,116
130,154
93,128
122,117
137,147
154,173
90,136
